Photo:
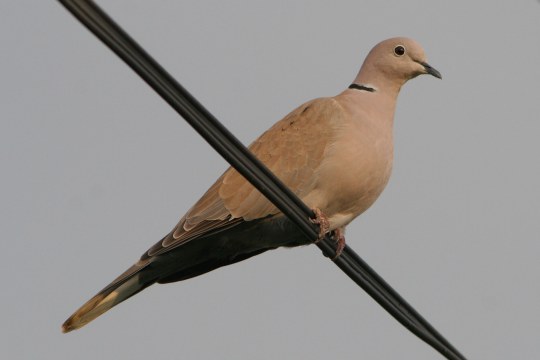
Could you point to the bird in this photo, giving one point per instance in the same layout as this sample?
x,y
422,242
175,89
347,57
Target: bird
x,y
335,153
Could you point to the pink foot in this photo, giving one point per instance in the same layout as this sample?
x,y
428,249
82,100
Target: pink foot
x,y
339,238
338,234
322,221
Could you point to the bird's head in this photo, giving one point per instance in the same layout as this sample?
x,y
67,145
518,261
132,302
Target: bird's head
x,y
393,62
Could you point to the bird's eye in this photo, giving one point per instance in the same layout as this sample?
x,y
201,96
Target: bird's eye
x,y
399,50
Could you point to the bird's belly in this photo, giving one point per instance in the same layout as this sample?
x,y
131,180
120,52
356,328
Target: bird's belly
x,y
346,192
364,190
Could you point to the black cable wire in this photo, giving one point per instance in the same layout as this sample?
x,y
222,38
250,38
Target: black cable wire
x,y
253,170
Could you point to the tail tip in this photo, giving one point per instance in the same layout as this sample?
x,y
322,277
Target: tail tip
x,y
89,311
118,291
73,323
67,327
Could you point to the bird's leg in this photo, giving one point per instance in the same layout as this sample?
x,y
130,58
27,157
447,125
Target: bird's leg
x,y
339,238
338,235
321,220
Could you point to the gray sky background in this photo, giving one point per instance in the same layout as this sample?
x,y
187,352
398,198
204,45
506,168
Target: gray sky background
x,y
96,168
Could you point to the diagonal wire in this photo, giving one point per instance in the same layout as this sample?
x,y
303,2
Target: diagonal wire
x,y
227,145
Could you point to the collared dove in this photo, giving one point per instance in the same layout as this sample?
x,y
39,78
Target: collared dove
x,y
335,153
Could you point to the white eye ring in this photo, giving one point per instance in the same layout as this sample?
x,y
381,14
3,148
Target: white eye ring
x,y
399,50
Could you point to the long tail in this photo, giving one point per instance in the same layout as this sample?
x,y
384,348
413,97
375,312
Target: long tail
x,y
133,280
193,258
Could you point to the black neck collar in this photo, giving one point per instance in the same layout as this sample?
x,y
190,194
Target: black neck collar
x,y
361,87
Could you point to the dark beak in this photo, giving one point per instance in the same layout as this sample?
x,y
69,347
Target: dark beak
x,y
430,70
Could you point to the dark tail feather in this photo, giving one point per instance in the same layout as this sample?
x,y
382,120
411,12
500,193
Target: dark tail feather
x,y
135,279
206,266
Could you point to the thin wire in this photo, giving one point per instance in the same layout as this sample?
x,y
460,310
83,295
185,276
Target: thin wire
x,y
253,170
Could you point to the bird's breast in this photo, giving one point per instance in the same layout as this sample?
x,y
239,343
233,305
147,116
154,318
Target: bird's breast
x,y
355,171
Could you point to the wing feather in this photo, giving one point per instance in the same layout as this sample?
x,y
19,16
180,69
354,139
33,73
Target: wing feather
x,y
293,150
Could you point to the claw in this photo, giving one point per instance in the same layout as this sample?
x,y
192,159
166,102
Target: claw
x,y
339,238
321,220
338,235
